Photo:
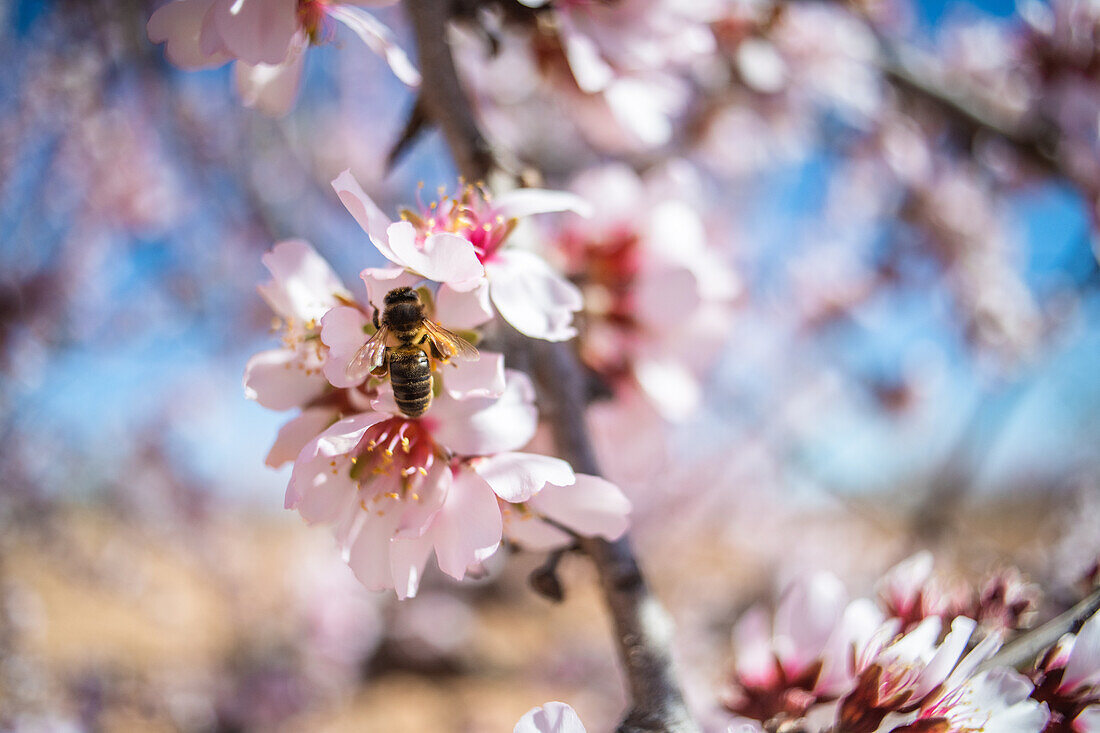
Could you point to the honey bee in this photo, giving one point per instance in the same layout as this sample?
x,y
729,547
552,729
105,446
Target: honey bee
x,y
417,340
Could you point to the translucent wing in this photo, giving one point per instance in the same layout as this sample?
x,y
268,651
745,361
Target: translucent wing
x,y
449,344
370,357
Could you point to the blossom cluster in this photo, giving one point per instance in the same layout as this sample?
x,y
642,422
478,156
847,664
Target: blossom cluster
x,y
395,488
919,658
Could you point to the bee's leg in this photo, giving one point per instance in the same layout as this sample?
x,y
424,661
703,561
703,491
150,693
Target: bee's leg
x,y
374,318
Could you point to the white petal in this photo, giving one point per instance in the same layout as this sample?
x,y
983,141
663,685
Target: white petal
x,y
379,39
521,202
1088,721
256,31
364,211
946,656
277,380
294,435
342,332
808,614
591,506
516,477
443,257
670,386
1083,665
463,310
273,88
483,426
381,280
553,717
467,528
178,25
532,297
407,560
481,378
303,286
369,557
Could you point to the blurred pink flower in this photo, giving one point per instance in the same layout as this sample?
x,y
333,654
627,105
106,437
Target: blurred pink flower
x,y
302,289
268,39
553,717
459,242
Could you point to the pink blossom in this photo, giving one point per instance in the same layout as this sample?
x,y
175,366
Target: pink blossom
x,y
780,666
460,242
1082,667
398,489
268,40
654,289
553,717
590,506
302,289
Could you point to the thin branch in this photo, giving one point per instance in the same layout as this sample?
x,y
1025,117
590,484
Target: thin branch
x,y
642,627
1022,651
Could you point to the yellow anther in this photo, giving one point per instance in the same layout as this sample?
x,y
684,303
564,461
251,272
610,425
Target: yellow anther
x,y
416,497
393,495
389,453
405,444
363,505
354,460
422,471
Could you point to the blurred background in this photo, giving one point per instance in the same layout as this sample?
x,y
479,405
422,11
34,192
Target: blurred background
x,y
909,359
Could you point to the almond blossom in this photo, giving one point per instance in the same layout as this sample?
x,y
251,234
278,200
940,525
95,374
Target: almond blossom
x,y
397,489
781,670
1068,679
303,287
268,39
656,295
459,242
996,701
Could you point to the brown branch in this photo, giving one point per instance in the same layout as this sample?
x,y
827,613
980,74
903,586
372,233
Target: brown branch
x,y
642,628
1023,651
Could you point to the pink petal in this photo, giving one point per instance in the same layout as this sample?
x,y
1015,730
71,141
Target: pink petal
x,y
468,527
256,31
589,69
277,380
364,211
1083,666
752,641
946,656
483,426
521,202
431,493
303,286
531,533
553,717
313,464
381,280
809,612
443,257
463,310
178,24
295,434
342,331
532,297
481,378
591,506
369,556
665,296
379,39
516,477
273,88
407,560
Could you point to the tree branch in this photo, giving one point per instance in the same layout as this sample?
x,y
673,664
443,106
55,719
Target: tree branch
x,y
642,628
1022,651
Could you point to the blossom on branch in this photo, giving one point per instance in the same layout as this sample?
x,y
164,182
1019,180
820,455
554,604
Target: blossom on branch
x,y
268,39
553,717
460,242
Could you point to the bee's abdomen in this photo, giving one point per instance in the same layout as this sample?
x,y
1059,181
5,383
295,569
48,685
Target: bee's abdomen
x,y
411,378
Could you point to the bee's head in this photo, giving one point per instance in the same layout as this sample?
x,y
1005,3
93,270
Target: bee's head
x,y
401,295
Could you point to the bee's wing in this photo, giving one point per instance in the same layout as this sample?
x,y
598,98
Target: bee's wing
x,y
449,343
370,357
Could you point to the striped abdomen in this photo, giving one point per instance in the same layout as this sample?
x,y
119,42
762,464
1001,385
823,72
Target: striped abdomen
x,y
411,378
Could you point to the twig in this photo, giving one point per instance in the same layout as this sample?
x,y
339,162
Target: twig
x,y
642,627
1022,651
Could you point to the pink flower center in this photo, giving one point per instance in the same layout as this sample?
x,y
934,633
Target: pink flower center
x,y
396,447
313,19
469,215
